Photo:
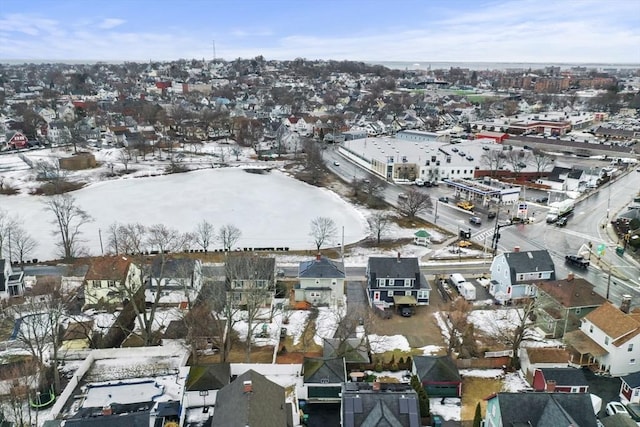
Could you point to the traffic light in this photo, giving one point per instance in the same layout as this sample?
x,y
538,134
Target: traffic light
x,y
465,234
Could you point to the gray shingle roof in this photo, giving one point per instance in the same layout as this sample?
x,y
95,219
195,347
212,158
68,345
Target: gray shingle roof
x,y
264,406
172,268
394,405
528,262
546,409
394,267
318,370
565,376
208,377
436,368
632,380
323,267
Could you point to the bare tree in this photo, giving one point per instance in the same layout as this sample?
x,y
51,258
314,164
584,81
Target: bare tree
x,y
379,223
250,281
541,161
21,244
459,330
314,166
322,229
493,160
69,218
518,160
374,189
228,235
415,203
51,172
125,157
7,223
204,234
236,151
513,330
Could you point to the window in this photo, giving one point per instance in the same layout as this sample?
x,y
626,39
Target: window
x,y
520,277
423,294
382,283
539,275
625,387
632,362
408,283
407,293
95,284
112,283
630,347
390,293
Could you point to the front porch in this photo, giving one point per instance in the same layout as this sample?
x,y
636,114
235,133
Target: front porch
x,y
584,352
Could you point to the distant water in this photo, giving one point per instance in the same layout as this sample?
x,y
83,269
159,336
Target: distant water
x,y
502,66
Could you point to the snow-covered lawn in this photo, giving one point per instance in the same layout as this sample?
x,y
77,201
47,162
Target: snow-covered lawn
x,y
383,343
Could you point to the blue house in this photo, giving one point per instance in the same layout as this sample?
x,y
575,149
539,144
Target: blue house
x,y
515,274
396,282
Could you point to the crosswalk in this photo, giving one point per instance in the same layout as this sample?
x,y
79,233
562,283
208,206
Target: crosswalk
x,y
486,234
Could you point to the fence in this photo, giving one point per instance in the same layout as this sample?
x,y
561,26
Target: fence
x,y
491,363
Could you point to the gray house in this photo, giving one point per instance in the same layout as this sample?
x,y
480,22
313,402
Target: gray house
x,y
396,281
323,378
251,400
515,274
379,404
321,282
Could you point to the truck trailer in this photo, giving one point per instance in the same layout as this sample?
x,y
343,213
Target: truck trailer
x,y
559,210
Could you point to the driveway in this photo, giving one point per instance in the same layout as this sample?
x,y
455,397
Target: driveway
x,y
606,388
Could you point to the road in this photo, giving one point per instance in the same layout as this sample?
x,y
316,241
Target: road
x,y
611,274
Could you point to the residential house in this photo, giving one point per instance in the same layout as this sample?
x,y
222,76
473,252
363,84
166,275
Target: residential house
x,y
608,337
560,380
396,282
111,280
379,404
323,378
17,140
533,358
438,375
173,281
57,132
563,303
515,274
321,282
78,335
630,388
250,279
11,283
353,350
203,383
251,400
536,409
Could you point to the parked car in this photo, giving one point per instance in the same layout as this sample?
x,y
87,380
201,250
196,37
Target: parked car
x,y
406,312
464,243
614,408
402,196
443,199
542,200
336,163
475,220
562,221
491,214
283,333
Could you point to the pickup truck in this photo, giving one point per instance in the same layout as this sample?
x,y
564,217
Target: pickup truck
x,y
464,204
576,261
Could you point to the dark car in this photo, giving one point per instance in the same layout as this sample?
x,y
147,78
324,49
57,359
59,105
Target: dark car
x,y
577,261
542,200
491,214
562,221
443,199
406,312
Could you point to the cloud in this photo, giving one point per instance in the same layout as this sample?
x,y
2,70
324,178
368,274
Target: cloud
x,y
110,23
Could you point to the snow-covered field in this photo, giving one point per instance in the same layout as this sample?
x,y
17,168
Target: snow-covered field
x,y
271,209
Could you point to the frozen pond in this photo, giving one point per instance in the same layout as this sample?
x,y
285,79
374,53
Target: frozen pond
x,y
271,209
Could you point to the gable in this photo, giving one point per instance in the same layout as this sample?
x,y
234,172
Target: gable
x,y
613,322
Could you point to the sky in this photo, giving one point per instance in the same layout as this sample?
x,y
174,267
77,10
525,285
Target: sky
x,y
558,31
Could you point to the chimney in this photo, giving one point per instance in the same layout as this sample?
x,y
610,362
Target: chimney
x,y
516,249
398,256
318,257
551,386
570,277
625,305
248,386
376,386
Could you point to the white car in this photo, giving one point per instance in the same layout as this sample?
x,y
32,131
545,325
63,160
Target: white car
x,y
336,163
614,408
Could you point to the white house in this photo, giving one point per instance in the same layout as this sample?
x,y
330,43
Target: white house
x,y
610,338
11,283
321,281
177,280
111,280
514,274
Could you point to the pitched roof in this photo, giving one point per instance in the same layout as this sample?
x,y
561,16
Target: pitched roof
x,y
393,267
321,267
208,377
546,409
632,380
565,376
576,292
528,262
436,369
263,406
78,330
318,370
108,268
394,405
613,322
172,267
353,350
547,355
